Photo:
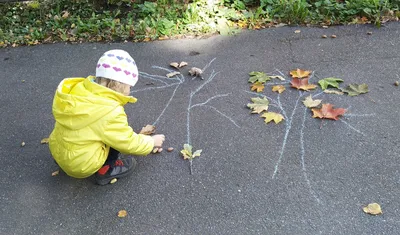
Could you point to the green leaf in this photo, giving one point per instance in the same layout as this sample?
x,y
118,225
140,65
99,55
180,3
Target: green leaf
x,y
333,82
259,105
355,89
258,77
187,151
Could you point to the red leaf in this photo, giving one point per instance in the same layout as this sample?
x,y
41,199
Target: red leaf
x,y
327,111
302,84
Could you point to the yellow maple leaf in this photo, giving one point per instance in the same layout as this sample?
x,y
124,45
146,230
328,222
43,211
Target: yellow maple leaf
x,y
272,116
279,88
258,86
299,73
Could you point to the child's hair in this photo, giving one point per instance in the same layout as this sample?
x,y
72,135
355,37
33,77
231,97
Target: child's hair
x,y
114,85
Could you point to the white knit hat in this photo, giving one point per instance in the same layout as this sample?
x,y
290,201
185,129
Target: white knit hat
x,y
119,66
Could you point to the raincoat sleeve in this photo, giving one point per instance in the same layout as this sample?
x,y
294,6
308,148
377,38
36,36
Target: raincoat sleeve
x,y
120,136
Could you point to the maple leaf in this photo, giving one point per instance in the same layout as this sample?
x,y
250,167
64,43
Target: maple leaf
x,y
333,82
302,84
327,111
355,89
271,116
373,209
258,86
187,152
310,103
148,130
259,105
299,73
279,88
258,77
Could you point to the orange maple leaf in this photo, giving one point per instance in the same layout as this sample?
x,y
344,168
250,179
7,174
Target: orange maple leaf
x,y
258,86
299,73
327,111
302,84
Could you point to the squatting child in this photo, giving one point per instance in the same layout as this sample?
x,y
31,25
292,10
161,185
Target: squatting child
x,y
91,131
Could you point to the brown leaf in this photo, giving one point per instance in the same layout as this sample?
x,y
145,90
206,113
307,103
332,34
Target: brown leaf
x,y
299,73
148,130
174,64
182,64
122,213
195,72
258,87
373,209
279,88
44,141
327,111
302,84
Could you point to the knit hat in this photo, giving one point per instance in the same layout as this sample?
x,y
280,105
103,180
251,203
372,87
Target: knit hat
x,y
119,66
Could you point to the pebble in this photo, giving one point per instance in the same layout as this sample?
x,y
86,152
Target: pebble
x,y
170,149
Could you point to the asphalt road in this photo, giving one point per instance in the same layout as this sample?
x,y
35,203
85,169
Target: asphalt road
x,y
298,177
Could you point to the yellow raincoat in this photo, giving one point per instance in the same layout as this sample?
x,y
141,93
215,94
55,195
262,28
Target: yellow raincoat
x,y
90,119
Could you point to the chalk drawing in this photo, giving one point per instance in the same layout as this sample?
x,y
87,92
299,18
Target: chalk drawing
x,y
289,120
177,81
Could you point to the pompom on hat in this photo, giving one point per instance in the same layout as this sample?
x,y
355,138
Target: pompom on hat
x,y
119,66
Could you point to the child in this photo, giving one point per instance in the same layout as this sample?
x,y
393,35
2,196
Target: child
x,y
91,128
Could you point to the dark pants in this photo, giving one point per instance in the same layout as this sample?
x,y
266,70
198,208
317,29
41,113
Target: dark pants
x,y
112,155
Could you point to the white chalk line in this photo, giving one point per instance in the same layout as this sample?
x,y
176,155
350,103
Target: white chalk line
x,y
351,127
155,88
287,131
208,65
302,155
210,99
359,115
169,101
215,109
152,78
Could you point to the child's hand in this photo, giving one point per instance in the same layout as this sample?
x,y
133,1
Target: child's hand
x,y
158,140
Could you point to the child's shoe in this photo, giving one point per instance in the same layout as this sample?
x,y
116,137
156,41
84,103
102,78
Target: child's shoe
x,y
114,170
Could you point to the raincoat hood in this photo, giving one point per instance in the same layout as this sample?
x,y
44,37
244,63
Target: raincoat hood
x,y
79,102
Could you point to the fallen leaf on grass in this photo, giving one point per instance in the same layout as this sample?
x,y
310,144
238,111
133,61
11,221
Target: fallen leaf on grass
x,y
187,152
310,103
328,112
373,209
169,75
55,173
65,15
258,77
302,84
259,105
299,73
44,141
195,72
122,213
258,87
148,130
331,91
355,89
279,88
333,82
271,116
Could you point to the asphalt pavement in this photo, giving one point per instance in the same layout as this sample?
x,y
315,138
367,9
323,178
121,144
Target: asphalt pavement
x,y
302,176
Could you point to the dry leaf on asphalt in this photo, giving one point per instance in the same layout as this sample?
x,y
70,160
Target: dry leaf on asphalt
x,y
259,105
113,180
195,72
174,64
44,141
22,144
148,130
328,112
310,103
277,77
302,84
355,89
187,152
55,173
122,213
279,88
169,75
299,73
373,209
258,87
182,64
326,82
271,116
332,91
256,76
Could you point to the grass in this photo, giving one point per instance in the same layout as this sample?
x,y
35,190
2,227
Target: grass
x,y
47,21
